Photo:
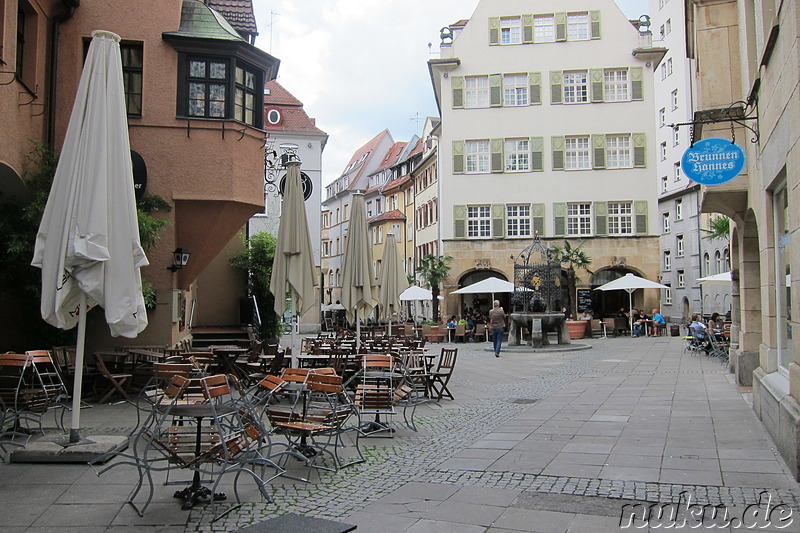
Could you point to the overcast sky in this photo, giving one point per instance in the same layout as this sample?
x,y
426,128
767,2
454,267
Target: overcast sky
x,y
360,66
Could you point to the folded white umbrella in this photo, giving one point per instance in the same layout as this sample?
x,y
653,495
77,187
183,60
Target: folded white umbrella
x,y
88,243
393,280
357,279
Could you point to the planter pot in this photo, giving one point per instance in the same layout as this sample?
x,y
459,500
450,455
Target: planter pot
x,y
576,328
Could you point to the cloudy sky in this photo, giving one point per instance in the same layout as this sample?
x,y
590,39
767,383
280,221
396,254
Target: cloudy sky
x,y
360,66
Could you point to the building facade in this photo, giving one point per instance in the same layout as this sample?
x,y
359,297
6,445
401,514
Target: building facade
x,y
547,129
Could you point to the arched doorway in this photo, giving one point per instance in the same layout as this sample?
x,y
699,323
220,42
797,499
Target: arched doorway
x,y
481,302
608,303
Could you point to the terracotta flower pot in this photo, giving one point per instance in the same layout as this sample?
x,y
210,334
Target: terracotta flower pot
x,y
576,328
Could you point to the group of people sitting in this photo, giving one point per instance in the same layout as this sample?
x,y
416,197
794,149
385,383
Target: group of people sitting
x,y
470,319
647,325
703,332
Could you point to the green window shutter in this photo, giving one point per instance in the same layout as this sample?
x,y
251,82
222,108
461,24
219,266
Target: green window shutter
x,y
561,26
537,154
598,151
497,162
594,21
556,82
459,222
637,83
527,28
597,77
559,219
498,221
639,154
494,30
600,218
537,218
457,85
458,157
640,209
535,83
557,144
495,90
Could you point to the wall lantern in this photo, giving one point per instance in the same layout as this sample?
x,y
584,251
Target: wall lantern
x,y
180,258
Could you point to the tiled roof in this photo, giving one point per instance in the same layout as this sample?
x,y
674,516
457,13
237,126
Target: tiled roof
x,y
396,184
279,95
462,22
392,155
238,12
200,21
391,215
293,117
365,152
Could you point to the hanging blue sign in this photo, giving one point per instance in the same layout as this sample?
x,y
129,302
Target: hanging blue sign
x,y
713,161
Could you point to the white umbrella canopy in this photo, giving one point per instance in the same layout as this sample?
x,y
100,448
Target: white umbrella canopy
x,y
88,243
630,283
393,280
357,279
414,293
490,285
293,267
723,278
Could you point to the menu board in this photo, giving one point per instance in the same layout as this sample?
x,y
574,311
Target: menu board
x,y
584,300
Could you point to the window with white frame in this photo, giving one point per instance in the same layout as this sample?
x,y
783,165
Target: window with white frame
x,y
663,71
579,219
326,246
515,89
680,247
676,137
668,25
477,156
369,209
616,85
681,278
410,230
576,88
669,67
620,218
510,30
661,32
668,294
664,184
479,221
517,158
706,264
665,219
718,262
544,29
662,117
577,26
518,220
664,151
618,151
676,170
674,97
726,260
679,209
576,153
476,91
667,260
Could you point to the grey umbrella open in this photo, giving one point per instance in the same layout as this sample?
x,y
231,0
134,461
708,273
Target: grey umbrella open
x,y
88,243
393,280
293,267
357,279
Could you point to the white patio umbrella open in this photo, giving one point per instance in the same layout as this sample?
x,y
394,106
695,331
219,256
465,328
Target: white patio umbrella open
x,y
630,283
293,267
414,293
393,280
723,278
357,279
490,285
88,242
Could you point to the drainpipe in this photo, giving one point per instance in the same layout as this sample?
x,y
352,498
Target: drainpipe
x,y
52,56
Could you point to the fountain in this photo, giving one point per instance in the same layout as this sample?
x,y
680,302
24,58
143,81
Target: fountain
x,y
537,288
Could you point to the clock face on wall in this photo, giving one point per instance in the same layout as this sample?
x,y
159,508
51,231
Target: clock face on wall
x,y
308,186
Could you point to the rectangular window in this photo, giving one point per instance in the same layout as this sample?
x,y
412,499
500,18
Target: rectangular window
x,y
246,96
664,184
577,26
665,218
544,29
661,32
620,218
208,88
618,151
576,88
667,260
668,295
669,26
663,71
479,221
680,246
410,230
675,99
679,209
676,137
510,30
477,156
518,220
662,117
132,68
681,278
669,67
517,155
476,91
664,151
515,89
576,153
615,85
579,219
677,171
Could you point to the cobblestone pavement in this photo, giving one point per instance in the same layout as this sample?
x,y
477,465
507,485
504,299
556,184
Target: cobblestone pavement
x,y
533,442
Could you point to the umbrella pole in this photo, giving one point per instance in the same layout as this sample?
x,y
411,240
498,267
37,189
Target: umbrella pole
x,y
630,309
74,431
358,332
292,321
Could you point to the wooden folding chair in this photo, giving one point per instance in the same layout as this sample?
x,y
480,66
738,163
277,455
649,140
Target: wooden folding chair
x,y
440,377
120,381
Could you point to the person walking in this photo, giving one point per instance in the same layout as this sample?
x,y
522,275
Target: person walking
x,y
497,320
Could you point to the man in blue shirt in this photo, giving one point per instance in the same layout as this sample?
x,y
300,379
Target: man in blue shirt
x,y
658,320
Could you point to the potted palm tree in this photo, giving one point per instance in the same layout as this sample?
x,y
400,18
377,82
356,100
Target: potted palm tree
x,y
574,258
433,271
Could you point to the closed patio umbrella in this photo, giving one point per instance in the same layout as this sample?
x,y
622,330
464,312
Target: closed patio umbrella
x,y
357,278
293,267
88,243
393,280
630,283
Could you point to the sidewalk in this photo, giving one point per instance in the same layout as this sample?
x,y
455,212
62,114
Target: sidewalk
x,y
534,442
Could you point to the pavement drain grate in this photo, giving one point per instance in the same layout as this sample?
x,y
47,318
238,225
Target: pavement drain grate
x,y
525,401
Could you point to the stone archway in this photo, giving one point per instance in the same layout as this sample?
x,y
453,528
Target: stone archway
x,y
481,302
608,303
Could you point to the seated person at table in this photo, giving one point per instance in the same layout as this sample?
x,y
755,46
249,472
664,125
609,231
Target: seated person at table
x,y
658,320
621,313
452,322
639,323
714,323
698,331
586,316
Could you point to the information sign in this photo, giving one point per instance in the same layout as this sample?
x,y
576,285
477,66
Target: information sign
x,y
713,161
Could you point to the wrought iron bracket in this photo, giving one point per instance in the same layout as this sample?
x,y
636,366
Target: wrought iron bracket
x,y
738,113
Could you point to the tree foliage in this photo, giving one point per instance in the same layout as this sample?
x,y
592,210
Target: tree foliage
x,y
434,271
719,228
256,259
575,259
